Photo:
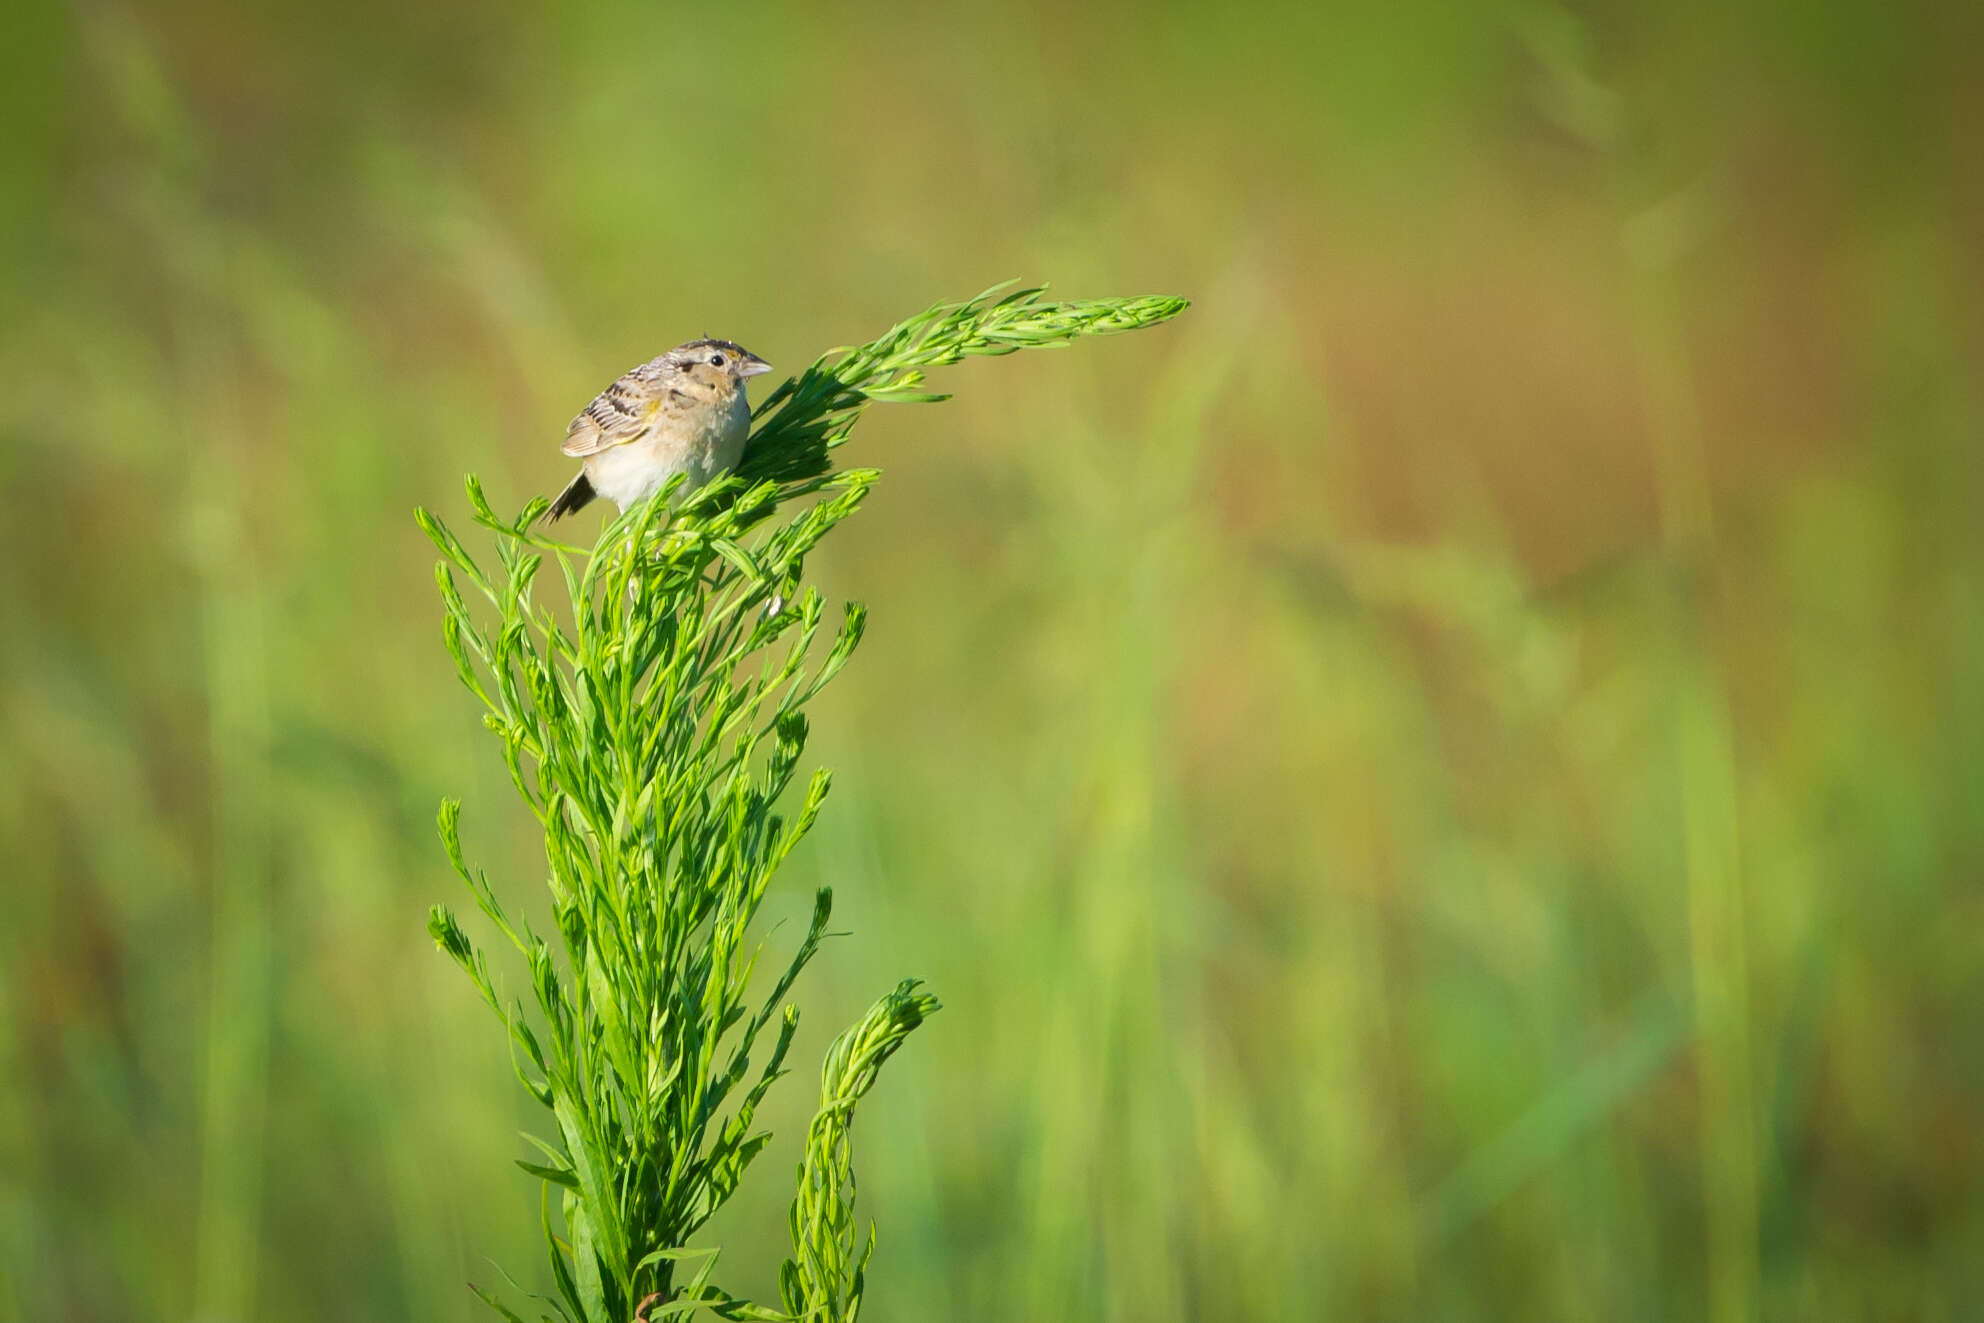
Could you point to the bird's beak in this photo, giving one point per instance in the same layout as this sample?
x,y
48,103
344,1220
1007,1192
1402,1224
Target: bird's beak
x,y
754,367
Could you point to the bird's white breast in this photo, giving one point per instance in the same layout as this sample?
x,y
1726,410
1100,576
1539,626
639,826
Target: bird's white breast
x,y
633,472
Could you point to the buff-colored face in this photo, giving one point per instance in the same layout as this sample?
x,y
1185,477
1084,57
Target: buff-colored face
x,y
718,367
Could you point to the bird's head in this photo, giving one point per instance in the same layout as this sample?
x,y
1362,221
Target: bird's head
x,y
718,366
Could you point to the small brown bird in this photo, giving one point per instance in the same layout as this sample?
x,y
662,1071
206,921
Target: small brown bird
x,y
683,412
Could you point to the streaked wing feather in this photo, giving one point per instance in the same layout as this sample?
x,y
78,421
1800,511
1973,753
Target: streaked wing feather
x,y
621,413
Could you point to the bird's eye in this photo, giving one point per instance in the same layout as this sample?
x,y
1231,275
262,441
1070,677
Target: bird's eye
x,y
716,360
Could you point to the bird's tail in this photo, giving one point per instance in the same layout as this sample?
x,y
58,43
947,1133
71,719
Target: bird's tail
x,y
576,496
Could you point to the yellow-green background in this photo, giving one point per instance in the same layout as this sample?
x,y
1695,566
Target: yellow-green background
x,y
1446,784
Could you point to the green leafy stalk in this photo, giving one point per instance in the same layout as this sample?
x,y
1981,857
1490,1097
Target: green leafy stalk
x,y
655,730
823,1281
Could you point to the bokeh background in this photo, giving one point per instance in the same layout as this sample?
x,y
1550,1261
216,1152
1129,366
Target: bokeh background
x,y
1448,783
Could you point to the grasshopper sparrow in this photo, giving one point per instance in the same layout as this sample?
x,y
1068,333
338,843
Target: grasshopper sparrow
x,y
683,412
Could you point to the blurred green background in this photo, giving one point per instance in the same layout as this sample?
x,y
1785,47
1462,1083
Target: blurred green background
x,y
1446,784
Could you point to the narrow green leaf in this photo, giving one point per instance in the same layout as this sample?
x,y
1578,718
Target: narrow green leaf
x,y
488,1299
556,1175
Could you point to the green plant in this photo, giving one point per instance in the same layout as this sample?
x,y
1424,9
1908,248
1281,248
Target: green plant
x,y
655,732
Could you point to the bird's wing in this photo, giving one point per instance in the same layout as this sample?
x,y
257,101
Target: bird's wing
x,y
621,413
